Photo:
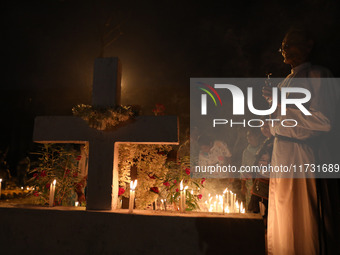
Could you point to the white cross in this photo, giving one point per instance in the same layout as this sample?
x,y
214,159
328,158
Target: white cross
x,y
102,185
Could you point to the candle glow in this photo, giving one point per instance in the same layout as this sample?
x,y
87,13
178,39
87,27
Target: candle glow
x,y
52,192
133,185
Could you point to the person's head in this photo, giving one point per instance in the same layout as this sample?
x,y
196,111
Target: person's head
x,y
254,137
264,159
296,47
205,143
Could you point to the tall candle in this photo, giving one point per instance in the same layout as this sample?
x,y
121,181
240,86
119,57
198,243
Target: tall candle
x,y
231,202
184,198
52,192
133,185
181,202
165,204
223,207
235,203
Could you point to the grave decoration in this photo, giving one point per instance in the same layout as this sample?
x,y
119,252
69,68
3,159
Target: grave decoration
x,y
103,144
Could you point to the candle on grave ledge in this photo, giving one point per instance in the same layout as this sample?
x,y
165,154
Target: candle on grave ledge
x,y
180,196
215,203
210,205
220,203
235,209
241,207
133,185
76,204
231,202
227,209
224,192
0,187
165,205
184,198
52,192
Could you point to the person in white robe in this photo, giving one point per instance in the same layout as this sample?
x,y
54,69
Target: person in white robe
x,y
293,217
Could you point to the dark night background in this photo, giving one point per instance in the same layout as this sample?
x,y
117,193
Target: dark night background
x,y
50,47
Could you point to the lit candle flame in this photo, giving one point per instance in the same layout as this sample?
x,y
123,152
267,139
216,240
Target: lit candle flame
x,y
225,191
227,209
181,185
133,184
54,182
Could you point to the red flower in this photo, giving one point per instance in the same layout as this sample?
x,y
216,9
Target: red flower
x,y
36,176
152,176
35,193
177,190
121,191
78,157
43,173
79,186
203,180
199,196
175,181
187,171
159,110
166,184
154,189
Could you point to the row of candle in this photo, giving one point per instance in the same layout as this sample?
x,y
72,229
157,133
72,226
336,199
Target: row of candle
x,y
225,203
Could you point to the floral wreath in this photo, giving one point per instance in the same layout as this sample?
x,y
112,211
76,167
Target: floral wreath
x,y
103,118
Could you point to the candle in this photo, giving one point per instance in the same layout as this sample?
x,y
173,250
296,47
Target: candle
x,y
133,185
237,207
223,206
52,192
0,187
227,209
215,203
235,202
181,202
184,197
76,204
210,201
231,201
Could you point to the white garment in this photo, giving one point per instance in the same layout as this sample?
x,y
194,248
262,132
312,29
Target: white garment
x,y
216,156
292,217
